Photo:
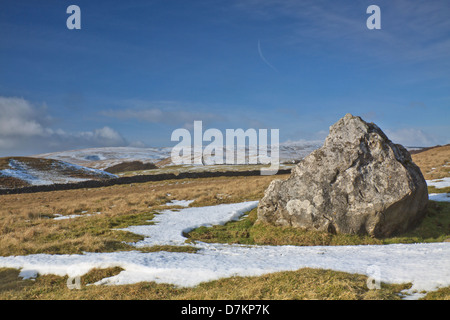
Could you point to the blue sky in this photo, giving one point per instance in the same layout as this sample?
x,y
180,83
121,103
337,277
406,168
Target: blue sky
x,y
137,70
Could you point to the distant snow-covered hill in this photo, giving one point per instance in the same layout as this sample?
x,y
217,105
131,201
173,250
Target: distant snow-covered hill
x,y
102,158
18,172
88,164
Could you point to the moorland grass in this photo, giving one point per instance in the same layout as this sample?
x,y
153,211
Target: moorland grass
x,y
433,189
301,284
434,163
26,226
435,227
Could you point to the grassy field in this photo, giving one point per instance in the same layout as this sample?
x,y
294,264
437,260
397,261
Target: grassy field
x,y
434,228
300,284
434,163
27,227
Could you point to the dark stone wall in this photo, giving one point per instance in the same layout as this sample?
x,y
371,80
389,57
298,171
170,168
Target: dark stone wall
x,y
134,179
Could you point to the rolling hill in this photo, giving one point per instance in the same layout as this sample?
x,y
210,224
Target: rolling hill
x,y
18,172
102,158
434,162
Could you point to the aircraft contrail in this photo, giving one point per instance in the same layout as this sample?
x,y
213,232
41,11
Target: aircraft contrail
x,y
263,58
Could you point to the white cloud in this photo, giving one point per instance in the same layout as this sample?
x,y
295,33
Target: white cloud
x,y
24,131
166,112
137,144
18,118
172,117
412,137
105,136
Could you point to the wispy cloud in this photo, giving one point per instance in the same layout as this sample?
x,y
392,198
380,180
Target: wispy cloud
x,y
264,58
412,31
412,137
165,112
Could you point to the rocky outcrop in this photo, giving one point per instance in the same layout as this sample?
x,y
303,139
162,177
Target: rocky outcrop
x,y
358,182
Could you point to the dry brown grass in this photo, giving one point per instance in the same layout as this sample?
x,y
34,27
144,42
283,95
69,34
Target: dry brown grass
x,y
130,166
26,224
434,163
301,284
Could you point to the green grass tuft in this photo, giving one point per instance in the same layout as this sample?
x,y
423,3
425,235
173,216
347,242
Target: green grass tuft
x,y
435,227
433,189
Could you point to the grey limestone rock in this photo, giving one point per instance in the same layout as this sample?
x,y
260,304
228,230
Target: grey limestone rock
x,y
358,182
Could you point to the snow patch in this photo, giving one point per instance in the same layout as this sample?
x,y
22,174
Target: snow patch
x,y
425,265
72,216
439,197
439,183
181,203
170,224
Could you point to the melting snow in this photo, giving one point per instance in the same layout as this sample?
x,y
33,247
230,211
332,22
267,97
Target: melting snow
x,y
425,265
170,225
439,197
72,216
439,183
181,203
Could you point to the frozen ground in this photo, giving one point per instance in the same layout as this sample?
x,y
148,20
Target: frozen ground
x,y
73,216
439,197
439,184
170,224
426,266
181,203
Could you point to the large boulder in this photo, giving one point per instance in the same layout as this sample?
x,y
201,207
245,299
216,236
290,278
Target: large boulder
x,y
358,182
